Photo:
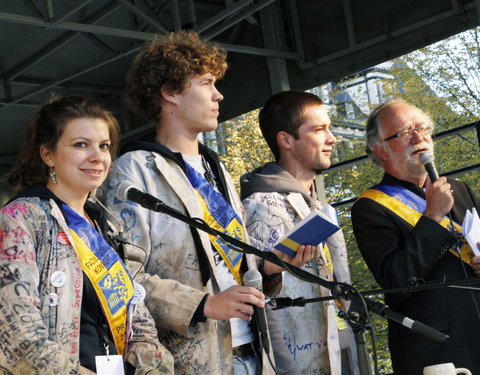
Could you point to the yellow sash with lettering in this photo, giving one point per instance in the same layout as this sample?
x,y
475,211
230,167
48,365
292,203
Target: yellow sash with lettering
x,y
411,216
219,215
106,271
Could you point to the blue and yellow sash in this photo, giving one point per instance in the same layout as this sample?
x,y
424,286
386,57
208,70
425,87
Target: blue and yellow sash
x,y
219,215
106,271
409,207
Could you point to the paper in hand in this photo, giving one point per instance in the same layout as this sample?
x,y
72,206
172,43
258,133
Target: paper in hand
x,y
471,229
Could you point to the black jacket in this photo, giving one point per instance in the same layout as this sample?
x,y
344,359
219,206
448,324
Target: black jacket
x,y
398,254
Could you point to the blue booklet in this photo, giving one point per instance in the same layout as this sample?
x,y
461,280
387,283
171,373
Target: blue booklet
x,y
312,230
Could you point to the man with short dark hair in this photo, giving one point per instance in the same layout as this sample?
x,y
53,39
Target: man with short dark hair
x,y
405,237
280,194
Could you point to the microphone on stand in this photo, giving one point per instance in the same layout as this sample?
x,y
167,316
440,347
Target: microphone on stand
x,y
125,191
254,279
427,158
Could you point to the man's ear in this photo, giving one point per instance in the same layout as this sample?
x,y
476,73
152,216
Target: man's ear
x,y
47,156
168,95
381,152
284,140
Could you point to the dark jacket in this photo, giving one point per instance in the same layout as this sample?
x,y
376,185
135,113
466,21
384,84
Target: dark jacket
x,y
398,254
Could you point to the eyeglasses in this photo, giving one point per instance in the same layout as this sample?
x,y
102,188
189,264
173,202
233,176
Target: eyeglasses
x,y
408,133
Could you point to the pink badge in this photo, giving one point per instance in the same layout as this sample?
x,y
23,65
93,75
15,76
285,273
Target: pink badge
x,y
62,238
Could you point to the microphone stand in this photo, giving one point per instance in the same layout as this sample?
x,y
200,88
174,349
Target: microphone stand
x,y
336,288
357,315
358,319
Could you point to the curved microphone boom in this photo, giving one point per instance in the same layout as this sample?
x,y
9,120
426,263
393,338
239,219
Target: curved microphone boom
x,y
254,279
427,158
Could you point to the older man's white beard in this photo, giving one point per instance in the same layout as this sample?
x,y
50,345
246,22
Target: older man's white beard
x,y
408,166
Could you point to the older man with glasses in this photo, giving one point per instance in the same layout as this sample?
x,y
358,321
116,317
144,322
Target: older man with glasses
x,y
406,237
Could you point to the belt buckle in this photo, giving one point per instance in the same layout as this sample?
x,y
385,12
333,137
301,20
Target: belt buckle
x,y
242,350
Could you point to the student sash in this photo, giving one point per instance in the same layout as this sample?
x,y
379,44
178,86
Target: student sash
x,y
107,273
409,206
219,215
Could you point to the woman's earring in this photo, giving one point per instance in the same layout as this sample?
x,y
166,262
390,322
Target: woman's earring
x,y
53,175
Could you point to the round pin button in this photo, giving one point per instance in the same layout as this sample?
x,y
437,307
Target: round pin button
x,y
58,279
62,238
53,299
138,293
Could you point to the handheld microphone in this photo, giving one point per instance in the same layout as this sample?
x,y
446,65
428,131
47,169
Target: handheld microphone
x,y
427,158
254,279
127,192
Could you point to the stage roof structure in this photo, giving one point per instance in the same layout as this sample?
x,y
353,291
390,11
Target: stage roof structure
x,y
85,47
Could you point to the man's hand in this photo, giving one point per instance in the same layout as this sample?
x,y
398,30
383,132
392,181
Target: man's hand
x,y
234,302
304,254
476,261
439,199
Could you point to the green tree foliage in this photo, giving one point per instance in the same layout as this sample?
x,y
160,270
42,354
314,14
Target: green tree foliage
x,y
244,148
444,80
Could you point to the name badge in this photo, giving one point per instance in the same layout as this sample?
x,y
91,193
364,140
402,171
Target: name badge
x,y
109,364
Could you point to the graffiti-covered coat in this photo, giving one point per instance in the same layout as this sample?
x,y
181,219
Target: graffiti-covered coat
x,y
36,338
166,249
274,203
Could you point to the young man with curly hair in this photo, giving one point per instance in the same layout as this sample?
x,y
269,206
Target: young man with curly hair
x,y
193,281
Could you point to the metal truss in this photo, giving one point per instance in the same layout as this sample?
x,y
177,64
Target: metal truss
x,y
149,18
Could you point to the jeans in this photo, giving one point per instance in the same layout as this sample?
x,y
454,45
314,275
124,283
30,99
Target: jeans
x,y
244,365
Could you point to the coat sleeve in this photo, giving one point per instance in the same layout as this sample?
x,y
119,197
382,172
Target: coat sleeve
x,y
394,251
26,348
268,218
171,303
145,353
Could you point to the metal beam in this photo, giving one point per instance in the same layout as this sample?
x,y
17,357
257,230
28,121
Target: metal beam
x,y
98,89
384,38
260,51
177,21
347,8
297,33
237,18
7,89
76,7
217,18
193,13
66,77
45,52
74,26
98,42
33,8
274,37
50,12
150,19
478,11
33,21
26,104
